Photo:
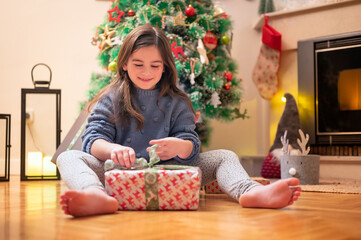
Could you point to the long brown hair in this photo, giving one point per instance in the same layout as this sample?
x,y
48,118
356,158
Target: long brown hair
x,y
142,36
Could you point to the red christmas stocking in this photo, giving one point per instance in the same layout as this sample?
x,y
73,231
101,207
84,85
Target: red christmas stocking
x,y
266,69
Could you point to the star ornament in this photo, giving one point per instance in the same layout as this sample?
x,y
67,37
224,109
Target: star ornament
x,y
179,19
120,14
106,37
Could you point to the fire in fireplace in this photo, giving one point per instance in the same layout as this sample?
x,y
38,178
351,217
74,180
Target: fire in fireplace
x,y
329,87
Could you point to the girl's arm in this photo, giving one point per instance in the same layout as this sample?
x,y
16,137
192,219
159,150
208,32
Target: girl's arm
x,y
183,143
99,135
99,125
103,150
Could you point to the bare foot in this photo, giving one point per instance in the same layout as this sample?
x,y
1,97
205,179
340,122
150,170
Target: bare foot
x,y
276,195
88,202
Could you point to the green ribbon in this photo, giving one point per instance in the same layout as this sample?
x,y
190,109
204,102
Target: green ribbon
x,y
140,163
151,189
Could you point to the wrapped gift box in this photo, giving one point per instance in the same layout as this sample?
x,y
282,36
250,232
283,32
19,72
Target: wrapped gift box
x,y
214,188
158,188
261,180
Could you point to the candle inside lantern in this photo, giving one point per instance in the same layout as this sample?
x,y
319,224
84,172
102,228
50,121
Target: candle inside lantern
x,y
49,168
35,164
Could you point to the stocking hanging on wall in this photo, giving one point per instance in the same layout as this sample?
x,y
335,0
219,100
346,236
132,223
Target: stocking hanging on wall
x,y
266,69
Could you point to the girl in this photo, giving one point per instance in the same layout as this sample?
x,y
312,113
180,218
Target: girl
x,y
142,107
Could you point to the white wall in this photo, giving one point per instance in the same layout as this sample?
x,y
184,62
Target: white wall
x,y
250,136
58,33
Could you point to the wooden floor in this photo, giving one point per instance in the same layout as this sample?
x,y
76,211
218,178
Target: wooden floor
x,y
30,210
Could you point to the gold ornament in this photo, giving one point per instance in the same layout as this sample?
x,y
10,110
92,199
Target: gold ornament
x,y
106,37
218,11
179,19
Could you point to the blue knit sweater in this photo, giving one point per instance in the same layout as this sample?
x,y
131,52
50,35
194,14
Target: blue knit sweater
x,y
176,120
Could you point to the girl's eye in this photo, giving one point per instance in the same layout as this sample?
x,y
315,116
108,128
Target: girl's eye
x,y
137,65
155,66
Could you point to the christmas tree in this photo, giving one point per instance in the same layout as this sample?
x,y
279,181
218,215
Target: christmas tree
x,y
200,35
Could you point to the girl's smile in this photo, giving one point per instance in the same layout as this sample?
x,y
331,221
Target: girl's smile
x,y
145,67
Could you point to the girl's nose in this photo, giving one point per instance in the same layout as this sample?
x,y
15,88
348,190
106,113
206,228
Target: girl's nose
x,y
147,71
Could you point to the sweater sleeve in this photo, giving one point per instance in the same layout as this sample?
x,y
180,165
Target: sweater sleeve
x,y
183,127
99,125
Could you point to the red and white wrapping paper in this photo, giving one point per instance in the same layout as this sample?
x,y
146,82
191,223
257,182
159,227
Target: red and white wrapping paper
x,y
158,189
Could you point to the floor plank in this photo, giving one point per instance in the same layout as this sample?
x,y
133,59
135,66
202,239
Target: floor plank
x,y
30,210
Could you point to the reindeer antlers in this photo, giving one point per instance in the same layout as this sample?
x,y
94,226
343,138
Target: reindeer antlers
x,y
285,143
302,143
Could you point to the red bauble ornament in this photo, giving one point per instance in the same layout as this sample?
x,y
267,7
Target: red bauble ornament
x,y
210,40
227,86
131,13
190,11
229,76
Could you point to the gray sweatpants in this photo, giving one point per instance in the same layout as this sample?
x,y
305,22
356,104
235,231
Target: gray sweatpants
x,y
80,170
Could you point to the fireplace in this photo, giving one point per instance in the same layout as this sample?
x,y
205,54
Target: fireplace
x,y
329,93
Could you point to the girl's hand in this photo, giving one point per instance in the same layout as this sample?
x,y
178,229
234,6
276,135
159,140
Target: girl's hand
x,y
171,147
122,155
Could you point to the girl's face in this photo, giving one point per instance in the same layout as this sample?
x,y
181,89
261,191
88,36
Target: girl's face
x,y
145,67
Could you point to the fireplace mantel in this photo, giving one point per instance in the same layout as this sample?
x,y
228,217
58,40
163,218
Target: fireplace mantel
x,y
314,21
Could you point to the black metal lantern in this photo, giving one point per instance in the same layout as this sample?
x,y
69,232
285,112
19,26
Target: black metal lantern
x,y
5,123
40,129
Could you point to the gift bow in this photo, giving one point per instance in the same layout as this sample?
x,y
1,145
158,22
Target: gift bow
x,y
140,163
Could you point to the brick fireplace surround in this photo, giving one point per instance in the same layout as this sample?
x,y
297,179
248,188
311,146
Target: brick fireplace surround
x,y
301,24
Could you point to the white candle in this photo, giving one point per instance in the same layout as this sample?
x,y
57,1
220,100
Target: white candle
x,y
35,164
49,168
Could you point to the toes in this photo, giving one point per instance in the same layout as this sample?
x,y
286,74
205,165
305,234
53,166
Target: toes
x,y
63,201
66,210
296,194
63,198
296,190
293,181
70,194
